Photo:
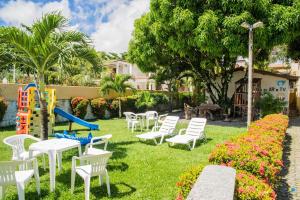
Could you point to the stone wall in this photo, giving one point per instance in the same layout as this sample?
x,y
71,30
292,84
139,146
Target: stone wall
x,y
9,118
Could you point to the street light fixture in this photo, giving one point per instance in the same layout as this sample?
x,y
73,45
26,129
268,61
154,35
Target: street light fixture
x,y
250,66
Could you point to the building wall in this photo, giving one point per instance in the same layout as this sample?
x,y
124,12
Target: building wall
x,y
268,83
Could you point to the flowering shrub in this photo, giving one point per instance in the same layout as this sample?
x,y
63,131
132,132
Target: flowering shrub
x,y
187,180
3,107
259,151
247,185
99,106
257,156
79,106
250,187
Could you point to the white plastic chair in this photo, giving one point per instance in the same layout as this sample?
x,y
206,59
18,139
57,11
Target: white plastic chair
x,y
132,120
151,115
11,175
166,129
95,166
16,142
90,150
194,132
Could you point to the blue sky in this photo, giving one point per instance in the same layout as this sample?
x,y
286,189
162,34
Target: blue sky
x,y
109,23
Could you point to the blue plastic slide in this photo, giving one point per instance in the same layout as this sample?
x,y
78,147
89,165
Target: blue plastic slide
x,y
72,118
82,140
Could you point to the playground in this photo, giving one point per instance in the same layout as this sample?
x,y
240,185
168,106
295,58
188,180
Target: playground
x,y
29,115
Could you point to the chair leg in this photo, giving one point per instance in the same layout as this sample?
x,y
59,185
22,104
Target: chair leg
x,y
161,140
37,181
21,191
73,174
155,141
59,160
100,180
108,184
194,143
87,182
2,191
44,162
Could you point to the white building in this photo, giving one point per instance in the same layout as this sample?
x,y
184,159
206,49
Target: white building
x,y
140,80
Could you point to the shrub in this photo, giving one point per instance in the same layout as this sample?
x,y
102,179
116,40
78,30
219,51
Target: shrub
x,y
99,105
145,101
128,103
259,151
114,107
247,185
160,98
257,155
187,180
79,106
3,107
268,104
250,187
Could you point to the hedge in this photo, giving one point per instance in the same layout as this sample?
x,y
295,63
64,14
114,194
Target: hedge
x,y
79,106
3,107
257,155
99,105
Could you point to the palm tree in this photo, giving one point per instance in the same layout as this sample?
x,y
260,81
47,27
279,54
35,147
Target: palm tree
x,y
43,46
118,84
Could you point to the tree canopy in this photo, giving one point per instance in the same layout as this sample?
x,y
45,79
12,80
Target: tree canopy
x,y
206,36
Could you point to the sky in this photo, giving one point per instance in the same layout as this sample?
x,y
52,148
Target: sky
x,y
109,23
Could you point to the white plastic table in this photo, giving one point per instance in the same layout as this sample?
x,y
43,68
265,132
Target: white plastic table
x,y
142,117
52,147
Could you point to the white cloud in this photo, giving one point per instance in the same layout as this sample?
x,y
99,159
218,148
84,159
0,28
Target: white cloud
x,y
114,35
21,11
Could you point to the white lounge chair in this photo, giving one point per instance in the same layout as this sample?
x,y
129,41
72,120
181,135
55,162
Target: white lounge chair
x,y
16,142
95,166
151,116
11,175
161,118
132,120
194,132
166,129
91,150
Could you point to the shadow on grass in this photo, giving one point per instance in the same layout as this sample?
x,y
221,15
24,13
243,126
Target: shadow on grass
x,y
115,192
282,191
97,190
186,147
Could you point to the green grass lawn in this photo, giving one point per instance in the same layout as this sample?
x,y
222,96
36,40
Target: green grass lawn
x,y
137,170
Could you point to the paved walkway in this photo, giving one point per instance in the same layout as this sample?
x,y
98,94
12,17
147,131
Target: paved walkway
x,y
290,185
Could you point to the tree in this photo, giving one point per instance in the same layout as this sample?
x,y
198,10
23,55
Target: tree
x,y
43,46
206,37
118,84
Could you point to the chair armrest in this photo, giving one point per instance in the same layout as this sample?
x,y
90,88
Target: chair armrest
x,y
102,140
33,138
162,116
181,130
74,159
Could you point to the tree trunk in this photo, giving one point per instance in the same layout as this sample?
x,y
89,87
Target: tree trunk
x,y
44,119
120,109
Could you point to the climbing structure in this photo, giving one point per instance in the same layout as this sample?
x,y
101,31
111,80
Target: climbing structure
x,y
28,116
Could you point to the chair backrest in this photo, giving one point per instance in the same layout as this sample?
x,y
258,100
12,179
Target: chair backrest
x,y
7,172
16,142
8,169
98,163
129,116
196,127
168,124
153,115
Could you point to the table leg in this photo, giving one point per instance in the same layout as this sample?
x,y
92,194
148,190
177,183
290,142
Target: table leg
x,y
52,169
80,153
59,160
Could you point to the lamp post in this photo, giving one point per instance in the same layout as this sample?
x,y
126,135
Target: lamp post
x,y
250,66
